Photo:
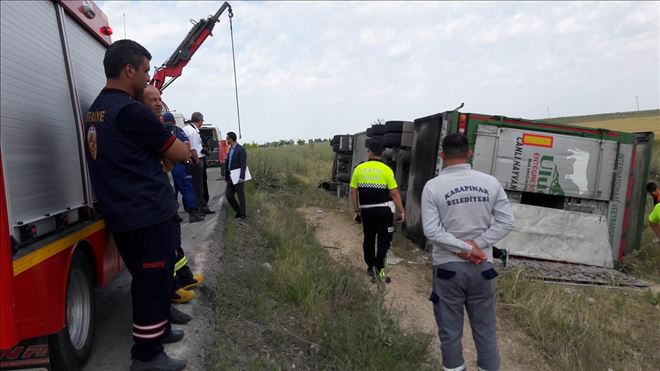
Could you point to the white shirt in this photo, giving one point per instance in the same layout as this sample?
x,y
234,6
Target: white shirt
x,y
195,139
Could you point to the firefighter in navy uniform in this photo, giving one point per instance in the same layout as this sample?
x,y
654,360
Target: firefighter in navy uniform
x,y
125,146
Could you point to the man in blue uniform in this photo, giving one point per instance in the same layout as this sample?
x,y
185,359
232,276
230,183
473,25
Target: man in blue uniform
x,y
125,146
182,180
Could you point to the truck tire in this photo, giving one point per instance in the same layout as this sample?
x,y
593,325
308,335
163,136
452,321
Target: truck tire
x,y
392,140
378,129
70,348
343,177
377,138
393,126
344,157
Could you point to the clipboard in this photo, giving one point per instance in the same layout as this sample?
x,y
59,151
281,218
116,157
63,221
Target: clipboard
x,y
236,174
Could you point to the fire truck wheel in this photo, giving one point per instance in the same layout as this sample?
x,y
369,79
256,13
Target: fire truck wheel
x,y
70,348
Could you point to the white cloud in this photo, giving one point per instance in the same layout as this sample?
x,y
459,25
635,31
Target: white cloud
x,y
314,69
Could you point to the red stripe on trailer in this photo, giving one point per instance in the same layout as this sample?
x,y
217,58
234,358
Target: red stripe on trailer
x,y
8,330
537,124
626,211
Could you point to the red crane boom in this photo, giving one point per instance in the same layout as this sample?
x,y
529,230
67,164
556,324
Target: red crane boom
x,y
173,67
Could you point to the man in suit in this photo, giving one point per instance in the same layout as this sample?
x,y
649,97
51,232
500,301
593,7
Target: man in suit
x,y
237,159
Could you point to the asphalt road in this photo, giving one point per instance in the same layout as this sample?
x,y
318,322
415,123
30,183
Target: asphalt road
x,y
112,339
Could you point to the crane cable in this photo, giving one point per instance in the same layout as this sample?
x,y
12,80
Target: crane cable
x,y
233,56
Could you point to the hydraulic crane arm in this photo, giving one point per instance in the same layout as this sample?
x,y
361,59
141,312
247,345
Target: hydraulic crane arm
x,y
173,67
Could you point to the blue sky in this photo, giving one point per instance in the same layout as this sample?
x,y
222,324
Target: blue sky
x,y
315,69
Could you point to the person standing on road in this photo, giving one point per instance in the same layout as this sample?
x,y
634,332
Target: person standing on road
x,y
126,144
192,131
184,279
237,159
373,188
464,212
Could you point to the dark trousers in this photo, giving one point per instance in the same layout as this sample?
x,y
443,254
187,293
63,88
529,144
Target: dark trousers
x,y
233,190
148,254
182,274
205,180
378,228
198,185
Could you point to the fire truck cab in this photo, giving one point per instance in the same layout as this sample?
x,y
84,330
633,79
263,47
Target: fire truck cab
x,y
54,247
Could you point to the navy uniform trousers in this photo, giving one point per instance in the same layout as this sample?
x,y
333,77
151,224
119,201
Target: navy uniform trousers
x,y
149,254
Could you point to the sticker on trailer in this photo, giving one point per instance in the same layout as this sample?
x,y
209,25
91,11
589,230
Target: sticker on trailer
x,y
558,164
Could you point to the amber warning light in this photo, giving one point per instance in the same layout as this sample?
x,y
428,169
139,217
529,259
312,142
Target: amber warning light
x,y
106,30
462,123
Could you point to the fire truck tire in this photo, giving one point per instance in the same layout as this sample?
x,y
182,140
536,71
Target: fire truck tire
x,y
71,347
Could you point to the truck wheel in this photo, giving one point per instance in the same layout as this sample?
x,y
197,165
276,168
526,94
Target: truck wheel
x,y
70,348
343,177
393,127
392,139
378,129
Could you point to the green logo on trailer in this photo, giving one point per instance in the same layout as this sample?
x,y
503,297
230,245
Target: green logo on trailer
x,y
548,177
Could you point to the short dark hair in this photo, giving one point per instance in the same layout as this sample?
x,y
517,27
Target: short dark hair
x,y
455,145
376,147
123,52
651,187
231,135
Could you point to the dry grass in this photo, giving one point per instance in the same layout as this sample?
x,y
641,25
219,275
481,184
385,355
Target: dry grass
x,y
585,328
631,125
623,121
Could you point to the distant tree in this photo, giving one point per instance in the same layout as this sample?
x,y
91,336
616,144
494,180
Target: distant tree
x,y
379,121
301,142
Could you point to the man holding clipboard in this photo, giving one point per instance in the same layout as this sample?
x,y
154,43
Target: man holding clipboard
x,y
236,174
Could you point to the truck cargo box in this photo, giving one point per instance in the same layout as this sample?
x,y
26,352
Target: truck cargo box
x,y
577,193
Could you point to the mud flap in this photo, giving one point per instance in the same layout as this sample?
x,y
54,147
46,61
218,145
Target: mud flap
x,y
30,354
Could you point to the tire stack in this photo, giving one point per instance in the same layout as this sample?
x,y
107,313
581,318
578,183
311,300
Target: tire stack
x,y
398,139
342,145
375,132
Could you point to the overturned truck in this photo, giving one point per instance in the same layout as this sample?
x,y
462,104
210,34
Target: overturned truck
x,y
577,193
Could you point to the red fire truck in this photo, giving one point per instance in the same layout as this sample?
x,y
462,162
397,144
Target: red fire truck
x,y
54,248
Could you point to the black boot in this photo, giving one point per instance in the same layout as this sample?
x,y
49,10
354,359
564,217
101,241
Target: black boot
x,y
159,362
194,217
172,337
177,317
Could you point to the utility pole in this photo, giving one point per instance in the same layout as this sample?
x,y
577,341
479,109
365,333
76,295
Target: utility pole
x,y
124,25
548,109
637,100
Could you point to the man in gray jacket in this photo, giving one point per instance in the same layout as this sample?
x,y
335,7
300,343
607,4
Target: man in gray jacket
x,y
464,212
